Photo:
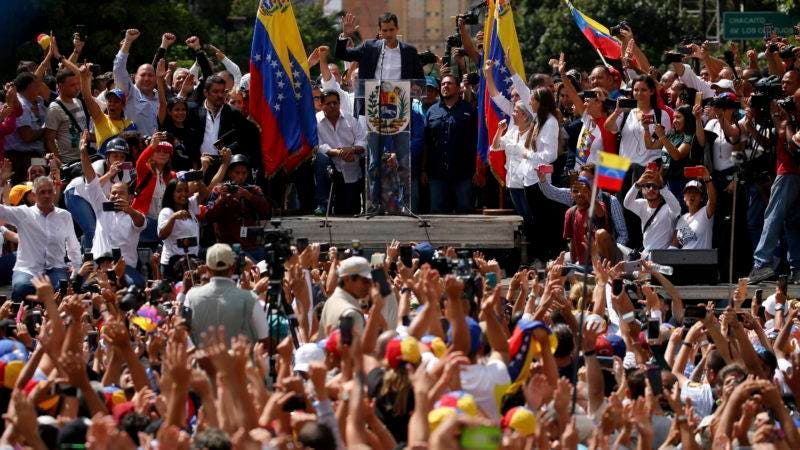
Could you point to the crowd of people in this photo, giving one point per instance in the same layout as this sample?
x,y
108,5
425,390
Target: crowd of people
x,y
151,305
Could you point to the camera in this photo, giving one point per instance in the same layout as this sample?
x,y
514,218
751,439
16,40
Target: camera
x,y
617,29
672,57
454,40
473,78
132,299
427,57
764,91
470,18
787,104
773,48
724,102
230,187
787,52
193,175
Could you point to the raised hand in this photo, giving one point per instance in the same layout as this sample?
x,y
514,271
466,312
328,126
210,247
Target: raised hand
x,y
167,39
349,24
193,43
131,35
161,68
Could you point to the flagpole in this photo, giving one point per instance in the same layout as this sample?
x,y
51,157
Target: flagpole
x,y
605,63
587,267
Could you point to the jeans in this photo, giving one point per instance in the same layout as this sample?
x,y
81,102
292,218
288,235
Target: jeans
x,y
7,263
21,285
321,179
133,277
756,205
83,214
782,214
676,187
150,233
444,193
520,201
385,187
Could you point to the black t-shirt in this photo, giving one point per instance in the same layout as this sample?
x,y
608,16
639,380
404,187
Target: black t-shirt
x,y
396,424
187,145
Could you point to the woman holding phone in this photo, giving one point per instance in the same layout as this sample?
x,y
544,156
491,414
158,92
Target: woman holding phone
x,y
512,139
694,229
153,172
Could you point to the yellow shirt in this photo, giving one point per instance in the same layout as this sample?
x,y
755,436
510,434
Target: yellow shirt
x,y
106,128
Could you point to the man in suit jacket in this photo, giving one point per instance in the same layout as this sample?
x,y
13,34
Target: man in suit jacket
x,y
215,118
400,60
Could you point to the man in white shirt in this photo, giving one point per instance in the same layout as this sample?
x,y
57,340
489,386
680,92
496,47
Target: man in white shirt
x,y
116,228
342,141
46,239
142,105
332,80
657,210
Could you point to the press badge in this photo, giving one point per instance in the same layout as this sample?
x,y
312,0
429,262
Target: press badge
x,y
243,232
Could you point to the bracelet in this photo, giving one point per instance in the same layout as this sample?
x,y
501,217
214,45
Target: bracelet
x,y
404,289
628,317
588,354
682,418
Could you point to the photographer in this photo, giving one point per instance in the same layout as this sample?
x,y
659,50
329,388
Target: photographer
x,y
179,218
118,224
782,212
235,205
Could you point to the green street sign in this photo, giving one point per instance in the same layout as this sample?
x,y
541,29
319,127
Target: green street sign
x,y
742,26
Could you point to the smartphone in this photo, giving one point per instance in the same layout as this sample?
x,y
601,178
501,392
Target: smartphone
x,y
698,98
769,28
652,166
481,437
545,168
91,337
112,275
323,251
38,162
109,206
406,255
88,257
377,259
627,103
187,242
491,280
589,94
654,376
759,295
695,312
653,330
379,276
301,243
296,403
606,362
62,288
783,281
648,119
126,165
693,171
684,50
346,330
616,287
80,30
673,57
220,142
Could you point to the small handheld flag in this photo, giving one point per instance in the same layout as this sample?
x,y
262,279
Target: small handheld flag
x,y
611,171
597,34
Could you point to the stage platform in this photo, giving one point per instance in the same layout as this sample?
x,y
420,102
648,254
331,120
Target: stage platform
x,y
459,231
697,293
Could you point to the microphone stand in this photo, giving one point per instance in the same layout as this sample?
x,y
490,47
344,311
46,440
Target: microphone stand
x,y
327,223
423,223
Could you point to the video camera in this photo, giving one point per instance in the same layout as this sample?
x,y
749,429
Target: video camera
x,y
765,90
616,30
454,40
427,57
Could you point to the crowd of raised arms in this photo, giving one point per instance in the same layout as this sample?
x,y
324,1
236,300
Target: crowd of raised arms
x,y
145,310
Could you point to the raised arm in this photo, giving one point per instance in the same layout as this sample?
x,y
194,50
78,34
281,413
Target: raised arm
x,y
341,51
161,79
576,100
469,46
167,39
122,79
86,164
230,66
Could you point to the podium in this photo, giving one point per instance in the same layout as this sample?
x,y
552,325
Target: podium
x,y
390,109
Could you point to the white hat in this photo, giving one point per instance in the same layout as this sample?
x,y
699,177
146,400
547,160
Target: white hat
x,y
723,83
355,265
305,355
769,305
220,257
693,184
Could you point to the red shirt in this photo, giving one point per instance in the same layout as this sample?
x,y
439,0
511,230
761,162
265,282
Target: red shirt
x,y
575,229
786,163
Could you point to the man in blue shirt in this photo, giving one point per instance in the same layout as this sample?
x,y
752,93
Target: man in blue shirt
x,y
448,162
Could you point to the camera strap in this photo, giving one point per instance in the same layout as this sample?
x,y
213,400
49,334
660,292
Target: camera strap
x,y
71,117
653,217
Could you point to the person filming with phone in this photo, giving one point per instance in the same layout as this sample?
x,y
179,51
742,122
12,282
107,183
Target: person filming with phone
x,y
118,223
694,229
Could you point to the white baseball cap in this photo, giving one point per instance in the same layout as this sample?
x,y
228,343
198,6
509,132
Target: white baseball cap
x,y
723,83
355,265
220,257
305,355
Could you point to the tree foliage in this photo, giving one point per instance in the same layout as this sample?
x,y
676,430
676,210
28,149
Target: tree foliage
x,y
546,27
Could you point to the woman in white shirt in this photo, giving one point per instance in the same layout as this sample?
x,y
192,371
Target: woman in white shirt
x,y
728,134
694,229
543,143
177,220
511,139
639,123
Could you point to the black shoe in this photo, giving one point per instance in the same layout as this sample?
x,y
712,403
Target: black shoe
x,y
794,278
759,274
375,211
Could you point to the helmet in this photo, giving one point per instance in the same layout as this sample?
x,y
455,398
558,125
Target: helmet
x,y
239,159
117,144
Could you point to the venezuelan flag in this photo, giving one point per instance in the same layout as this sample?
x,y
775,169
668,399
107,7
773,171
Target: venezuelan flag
x,y
611,171
500,37
280,89
522,348
597,34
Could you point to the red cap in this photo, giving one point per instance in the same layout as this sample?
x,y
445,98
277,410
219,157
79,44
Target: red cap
x,y
164,147
332,344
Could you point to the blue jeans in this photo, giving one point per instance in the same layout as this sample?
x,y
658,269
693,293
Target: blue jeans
x,y
379,179
321,179
150,233
443,192
133,277
7,263
83,214
755,214
21,285
521,205
782,214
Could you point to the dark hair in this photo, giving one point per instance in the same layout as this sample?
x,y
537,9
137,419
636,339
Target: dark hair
x,y
689,126
168,201
24,80
637,383
547,107
650,85
538,80
133,423
26,66
329,93
566,340
211,439
213,79
589,167
448,75
63,74
387,17
731,369
714,361
172,101
317,436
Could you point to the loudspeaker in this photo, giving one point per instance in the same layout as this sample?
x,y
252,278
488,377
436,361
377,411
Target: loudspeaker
x,y
689,266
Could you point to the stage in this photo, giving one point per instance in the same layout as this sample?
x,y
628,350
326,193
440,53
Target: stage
x,y
460,231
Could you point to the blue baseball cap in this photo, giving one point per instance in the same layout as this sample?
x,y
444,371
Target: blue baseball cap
x,y
474,335
431,81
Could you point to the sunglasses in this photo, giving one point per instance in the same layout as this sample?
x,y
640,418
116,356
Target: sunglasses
x,y
649,186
